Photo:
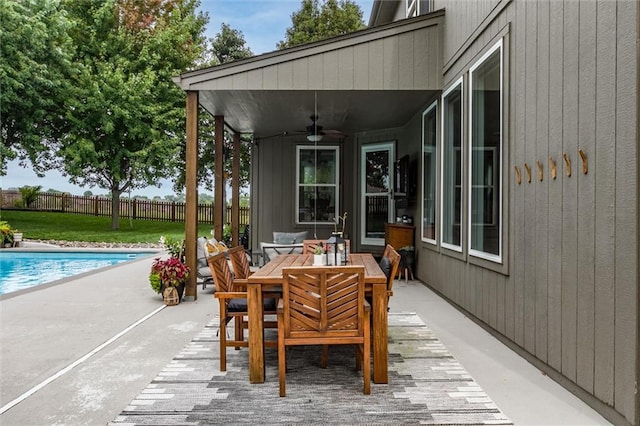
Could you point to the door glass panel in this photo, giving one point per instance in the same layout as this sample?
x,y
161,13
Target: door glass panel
x,y
377,163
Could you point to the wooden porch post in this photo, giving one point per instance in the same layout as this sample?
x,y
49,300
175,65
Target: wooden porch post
x,y
191,206
218,195
235,191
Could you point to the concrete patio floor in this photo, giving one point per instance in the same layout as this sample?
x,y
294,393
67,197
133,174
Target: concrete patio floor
x,y
79,351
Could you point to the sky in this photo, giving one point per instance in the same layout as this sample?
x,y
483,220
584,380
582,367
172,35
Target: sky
x,y
263,24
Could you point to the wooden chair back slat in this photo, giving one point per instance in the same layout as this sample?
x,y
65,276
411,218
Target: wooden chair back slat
x,y
394,259
241,267
324,306
221,272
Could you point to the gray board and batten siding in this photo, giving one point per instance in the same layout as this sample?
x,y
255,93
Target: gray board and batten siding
x,y
568,297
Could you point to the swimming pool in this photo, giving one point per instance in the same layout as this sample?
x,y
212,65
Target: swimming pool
x,y
25,269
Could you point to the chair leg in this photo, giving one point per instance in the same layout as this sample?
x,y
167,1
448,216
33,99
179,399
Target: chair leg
x,y
239,332
282,359
325,356
223,344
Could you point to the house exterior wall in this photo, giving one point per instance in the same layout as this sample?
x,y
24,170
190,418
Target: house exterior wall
x,y
567,296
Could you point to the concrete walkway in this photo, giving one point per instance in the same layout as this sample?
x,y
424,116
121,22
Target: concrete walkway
x,y
76,353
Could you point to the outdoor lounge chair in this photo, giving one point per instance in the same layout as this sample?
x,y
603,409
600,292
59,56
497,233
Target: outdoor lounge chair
x,y
271,250
202,268
324,306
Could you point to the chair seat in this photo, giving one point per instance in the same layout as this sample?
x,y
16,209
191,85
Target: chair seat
x,y
240,305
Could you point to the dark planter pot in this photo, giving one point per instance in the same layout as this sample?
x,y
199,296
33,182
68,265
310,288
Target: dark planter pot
x,y
407,258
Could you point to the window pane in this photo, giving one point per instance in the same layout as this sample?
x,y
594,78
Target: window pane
x,y
377,173
317,204
452,167
317,166
485,154
317,189
429,159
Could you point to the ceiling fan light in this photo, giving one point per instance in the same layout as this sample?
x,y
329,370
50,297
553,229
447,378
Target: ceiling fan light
x,y
314,138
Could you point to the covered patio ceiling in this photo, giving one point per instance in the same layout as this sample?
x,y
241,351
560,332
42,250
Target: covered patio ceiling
x,y
368,80
270,113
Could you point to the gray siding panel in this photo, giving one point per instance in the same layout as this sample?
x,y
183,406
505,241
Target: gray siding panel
x,y
586,196
626,257
346,68
518,236
569,192
542,187
554,306
530,187
605,213
361,67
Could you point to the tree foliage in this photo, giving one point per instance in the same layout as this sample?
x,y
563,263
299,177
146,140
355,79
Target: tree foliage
x,y
35,72
318,20
228,45
128,116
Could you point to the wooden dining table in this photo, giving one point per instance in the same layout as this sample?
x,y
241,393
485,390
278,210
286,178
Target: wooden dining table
x,y
269,279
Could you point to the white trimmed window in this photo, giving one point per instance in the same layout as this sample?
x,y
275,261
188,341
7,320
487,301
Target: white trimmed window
x,y
317,194
485,141
430,173
451,168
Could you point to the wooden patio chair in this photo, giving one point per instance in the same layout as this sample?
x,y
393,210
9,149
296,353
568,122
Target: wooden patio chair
x,y
393,260
240,263
324,306
232,295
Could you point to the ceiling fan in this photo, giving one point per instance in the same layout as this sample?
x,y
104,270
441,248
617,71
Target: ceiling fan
x,y
315,132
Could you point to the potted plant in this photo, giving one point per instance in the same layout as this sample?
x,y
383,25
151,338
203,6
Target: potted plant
x,y
6,234
319,255
170,272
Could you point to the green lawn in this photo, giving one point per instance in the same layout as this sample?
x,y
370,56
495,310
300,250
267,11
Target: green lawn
x,y
73,227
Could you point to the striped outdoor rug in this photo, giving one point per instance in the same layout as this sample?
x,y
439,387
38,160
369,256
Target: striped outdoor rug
x,y
426,386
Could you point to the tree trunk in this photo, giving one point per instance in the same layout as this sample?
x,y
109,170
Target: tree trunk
x,y
115,209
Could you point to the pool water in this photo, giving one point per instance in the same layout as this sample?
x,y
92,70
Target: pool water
x,y
20,270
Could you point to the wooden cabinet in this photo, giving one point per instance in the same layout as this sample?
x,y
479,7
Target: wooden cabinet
x,y
399,234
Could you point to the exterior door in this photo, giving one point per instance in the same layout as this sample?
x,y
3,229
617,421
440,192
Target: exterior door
x,y
376,189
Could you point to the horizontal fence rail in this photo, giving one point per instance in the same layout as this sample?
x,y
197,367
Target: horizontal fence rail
x,y
165,211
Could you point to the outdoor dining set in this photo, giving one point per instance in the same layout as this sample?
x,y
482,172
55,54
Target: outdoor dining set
x,y
340,303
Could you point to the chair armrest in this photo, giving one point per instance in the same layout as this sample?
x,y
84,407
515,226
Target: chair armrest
x,y
240,284
367,306
231,295
280,308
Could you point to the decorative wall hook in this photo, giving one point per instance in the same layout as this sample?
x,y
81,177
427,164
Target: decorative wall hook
x,y
518,175
567,163
585,164
554,172
528,169
540,175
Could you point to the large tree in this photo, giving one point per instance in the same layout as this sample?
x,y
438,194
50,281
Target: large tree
x,y
128,118
35,67
319,20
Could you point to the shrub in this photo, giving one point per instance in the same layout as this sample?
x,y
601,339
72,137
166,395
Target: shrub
x,y
30,195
